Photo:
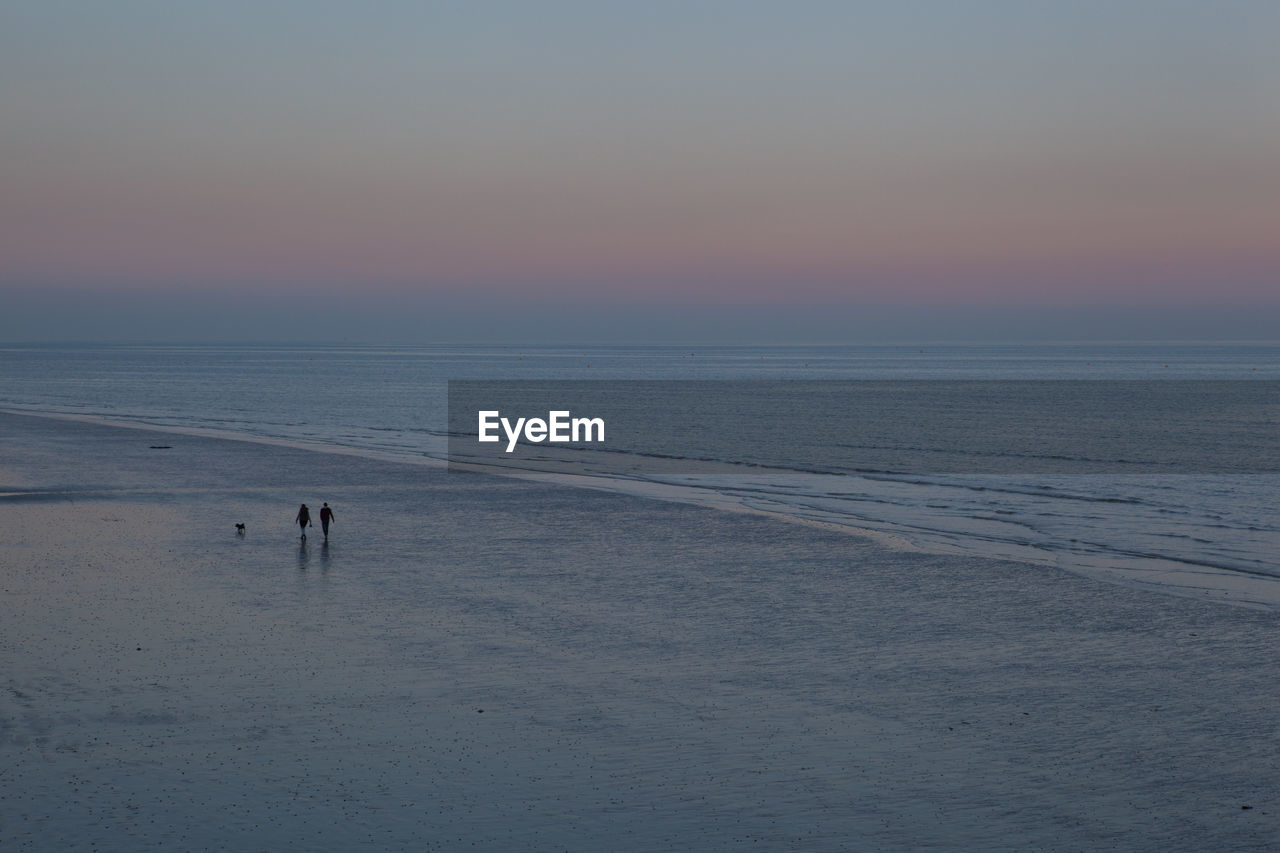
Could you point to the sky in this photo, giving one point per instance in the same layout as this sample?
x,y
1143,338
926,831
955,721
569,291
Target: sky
x,y
695,171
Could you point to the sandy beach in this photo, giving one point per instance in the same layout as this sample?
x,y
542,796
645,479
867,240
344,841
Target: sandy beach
x,y
475,662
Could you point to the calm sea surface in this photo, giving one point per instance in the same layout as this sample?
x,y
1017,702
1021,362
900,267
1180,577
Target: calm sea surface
x,y
1213,535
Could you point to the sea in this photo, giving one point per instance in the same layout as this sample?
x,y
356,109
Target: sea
x,y
1203,531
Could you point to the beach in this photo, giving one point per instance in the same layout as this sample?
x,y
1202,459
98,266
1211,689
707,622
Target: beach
x,y
477,662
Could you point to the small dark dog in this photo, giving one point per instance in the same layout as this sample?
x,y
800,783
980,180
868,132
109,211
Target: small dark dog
x,y
240,529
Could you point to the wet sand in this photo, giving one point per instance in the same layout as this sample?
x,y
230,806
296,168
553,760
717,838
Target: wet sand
x,y
481,663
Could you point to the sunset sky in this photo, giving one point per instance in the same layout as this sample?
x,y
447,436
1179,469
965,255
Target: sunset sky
x,y
825,172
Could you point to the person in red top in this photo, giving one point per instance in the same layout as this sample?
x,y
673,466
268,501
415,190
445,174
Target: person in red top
x,y
326,516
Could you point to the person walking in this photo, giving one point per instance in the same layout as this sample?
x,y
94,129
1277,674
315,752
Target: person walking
x,y
326,516
304,519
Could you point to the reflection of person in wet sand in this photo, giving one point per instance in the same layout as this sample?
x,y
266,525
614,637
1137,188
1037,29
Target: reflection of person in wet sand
x,y
304,519
326,516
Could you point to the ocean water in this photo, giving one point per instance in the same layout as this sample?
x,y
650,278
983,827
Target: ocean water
x,y
485,663
1207,533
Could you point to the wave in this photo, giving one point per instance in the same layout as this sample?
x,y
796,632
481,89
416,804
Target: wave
x,y
1185,534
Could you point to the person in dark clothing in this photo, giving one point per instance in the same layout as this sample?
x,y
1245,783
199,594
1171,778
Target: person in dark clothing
x,y
326,516
304,519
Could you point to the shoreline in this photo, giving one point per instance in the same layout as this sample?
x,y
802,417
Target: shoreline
x,y
512,664
232,435
1165,576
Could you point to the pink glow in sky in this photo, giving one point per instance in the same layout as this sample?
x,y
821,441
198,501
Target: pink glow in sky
x,y
733,153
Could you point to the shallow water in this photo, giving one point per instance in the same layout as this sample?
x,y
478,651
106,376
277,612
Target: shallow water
x,y
1200,533
482,662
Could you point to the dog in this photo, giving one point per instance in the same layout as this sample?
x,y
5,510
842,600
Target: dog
x,y
240,529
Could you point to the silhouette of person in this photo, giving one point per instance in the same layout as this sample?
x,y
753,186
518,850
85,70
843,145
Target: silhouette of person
x,y
326,516
304,519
